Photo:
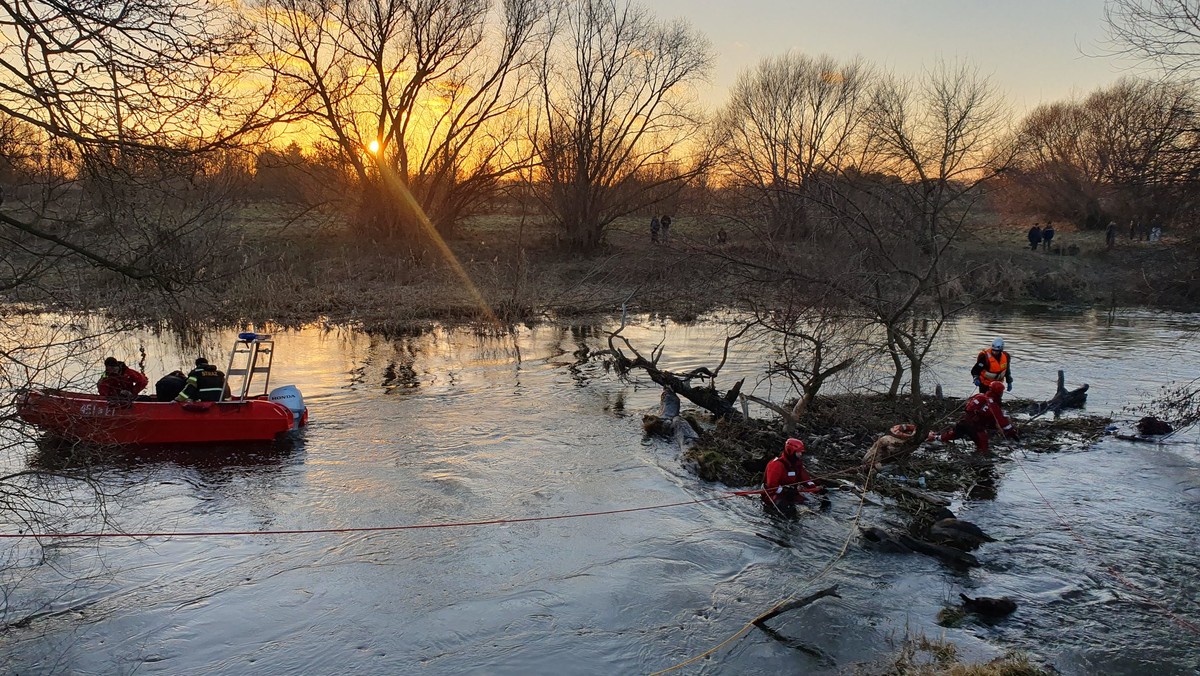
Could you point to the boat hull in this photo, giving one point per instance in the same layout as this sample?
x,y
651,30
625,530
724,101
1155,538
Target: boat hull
x,y
94,419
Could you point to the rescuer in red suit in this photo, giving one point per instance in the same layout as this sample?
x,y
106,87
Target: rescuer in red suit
x,y
786,481
120,381
983,413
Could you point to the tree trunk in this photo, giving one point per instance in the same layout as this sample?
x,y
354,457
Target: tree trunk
x,y
897,365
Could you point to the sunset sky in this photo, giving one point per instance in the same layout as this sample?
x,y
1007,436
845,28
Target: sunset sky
x,y
1034,50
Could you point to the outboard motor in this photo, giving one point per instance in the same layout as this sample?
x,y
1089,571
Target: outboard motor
x,y
289,396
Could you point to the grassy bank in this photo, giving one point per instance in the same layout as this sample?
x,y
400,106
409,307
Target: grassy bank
x,y
512,269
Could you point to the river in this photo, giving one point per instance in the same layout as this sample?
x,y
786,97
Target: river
x,y
455,426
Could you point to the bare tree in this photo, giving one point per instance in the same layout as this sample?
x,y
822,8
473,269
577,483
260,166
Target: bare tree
x,y
423,99
1166,32
815,341
126,103
931,147
615,119
1129,151
790,121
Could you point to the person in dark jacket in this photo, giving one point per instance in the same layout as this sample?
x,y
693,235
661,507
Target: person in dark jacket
x,y
1047,235
1035,236
169,386
120,381
786,481
204,383
666,229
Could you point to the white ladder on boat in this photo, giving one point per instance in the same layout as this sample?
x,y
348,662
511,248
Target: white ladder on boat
x,y
249,359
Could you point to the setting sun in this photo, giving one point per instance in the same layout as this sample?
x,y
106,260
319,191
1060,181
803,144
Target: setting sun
x,y
373,146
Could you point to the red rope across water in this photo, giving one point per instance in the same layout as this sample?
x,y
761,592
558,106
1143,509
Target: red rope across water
x,y
1110,569
375,529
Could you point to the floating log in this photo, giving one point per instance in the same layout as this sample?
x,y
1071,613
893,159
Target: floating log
x,y
792,605
950,555
902,543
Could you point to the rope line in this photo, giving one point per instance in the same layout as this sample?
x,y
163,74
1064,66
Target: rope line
x,y
376,529
1109,568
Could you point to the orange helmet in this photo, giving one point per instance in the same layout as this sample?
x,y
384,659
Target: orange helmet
x,y
793,447
996,388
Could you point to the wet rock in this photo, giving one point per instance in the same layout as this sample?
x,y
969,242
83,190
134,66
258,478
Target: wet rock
x,y
882,541
1151,425
958,533
987,606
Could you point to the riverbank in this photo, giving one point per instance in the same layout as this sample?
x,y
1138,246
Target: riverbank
x,y
505,269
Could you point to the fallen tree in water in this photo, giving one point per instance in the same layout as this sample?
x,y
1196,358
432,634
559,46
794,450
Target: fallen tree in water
x,y
706,397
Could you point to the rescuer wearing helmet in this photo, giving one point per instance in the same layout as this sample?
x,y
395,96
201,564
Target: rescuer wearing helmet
x,y
786,480
992,366
983,414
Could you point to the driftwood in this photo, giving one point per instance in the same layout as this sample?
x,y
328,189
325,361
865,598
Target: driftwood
x,y
798,603
950,555
704,396
921,495
1063,398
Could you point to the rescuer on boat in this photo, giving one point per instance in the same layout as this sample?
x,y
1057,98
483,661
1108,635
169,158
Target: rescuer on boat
x,y
204,383
992,366
120,381
786,481
983,414
169,386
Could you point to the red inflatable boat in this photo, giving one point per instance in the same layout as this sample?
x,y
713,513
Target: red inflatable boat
x,y
254,413
94,419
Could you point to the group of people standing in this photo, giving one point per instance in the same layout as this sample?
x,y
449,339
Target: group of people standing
x,y
204,383
660,224
1041,236
787,484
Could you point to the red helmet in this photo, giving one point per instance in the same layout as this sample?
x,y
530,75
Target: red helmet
x,y
793,447
996,388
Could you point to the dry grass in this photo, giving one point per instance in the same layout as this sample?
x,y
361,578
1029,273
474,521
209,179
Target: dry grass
x,y
922,656
294,268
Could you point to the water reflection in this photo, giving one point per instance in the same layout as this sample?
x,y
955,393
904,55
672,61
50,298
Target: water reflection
x,y
57,455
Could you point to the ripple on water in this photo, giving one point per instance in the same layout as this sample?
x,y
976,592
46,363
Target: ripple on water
x,y
510,427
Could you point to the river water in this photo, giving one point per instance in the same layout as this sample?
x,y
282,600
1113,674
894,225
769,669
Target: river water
x,y
454,426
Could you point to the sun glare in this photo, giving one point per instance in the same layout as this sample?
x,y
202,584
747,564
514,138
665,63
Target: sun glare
x,y
373,146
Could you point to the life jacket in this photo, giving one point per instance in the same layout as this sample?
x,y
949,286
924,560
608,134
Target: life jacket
x,y
128,380
995,369
782,472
